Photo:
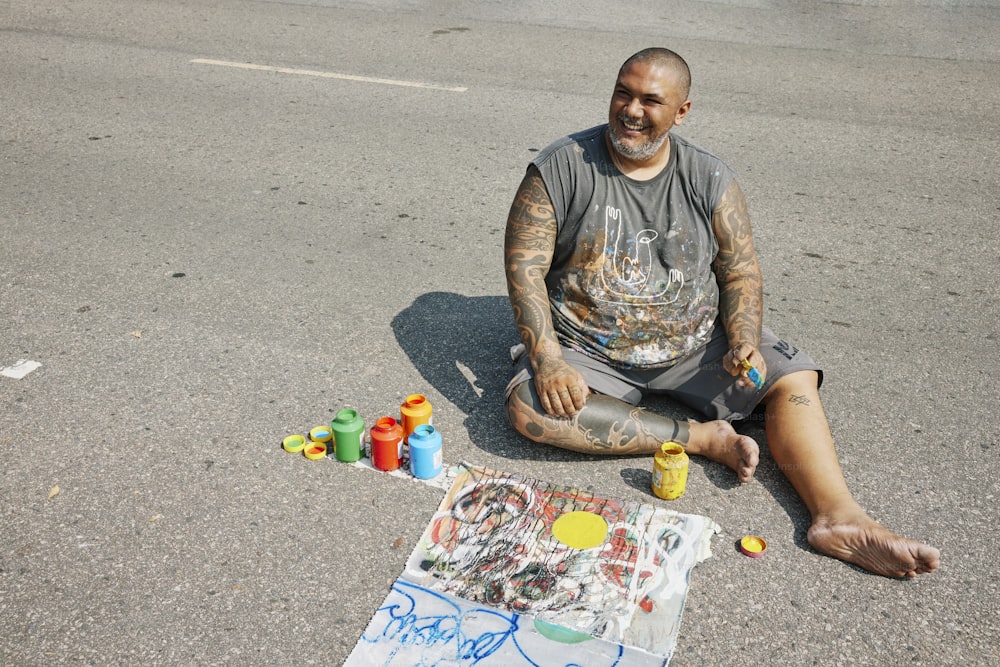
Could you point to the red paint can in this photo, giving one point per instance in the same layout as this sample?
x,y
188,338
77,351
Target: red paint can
x,y
387,443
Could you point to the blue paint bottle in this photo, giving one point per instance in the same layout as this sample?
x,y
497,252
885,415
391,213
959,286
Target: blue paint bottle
x,y
426,459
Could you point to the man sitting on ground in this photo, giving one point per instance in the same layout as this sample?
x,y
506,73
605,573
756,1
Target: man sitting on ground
x,y
631,269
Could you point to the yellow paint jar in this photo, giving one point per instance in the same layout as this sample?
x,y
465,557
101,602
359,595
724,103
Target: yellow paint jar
x,y
670,471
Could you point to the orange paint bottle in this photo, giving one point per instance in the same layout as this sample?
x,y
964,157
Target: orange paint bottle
x,y
414,411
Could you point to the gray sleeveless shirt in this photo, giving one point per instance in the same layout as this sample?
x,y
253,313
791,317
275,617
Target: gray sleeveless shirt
x,y
631,280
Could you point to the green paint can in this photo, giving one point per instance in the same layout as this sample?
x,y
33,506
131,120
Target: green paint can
x,y
348,431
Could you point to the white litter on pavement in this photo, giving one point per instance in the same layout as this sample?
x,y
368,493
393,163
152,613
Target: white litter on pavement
x,y
20,369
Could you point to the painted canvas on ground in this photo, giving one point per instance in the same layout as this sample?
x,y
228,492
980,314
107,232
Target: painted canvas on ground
x,y
416,626
513,571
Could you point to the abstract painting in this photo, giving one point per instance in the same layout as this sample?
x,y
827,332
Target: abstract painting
x,y
513,571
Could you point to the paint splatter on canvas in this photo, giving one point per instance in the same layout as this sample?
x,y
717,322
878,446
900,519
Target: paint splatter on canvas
x,y
512,571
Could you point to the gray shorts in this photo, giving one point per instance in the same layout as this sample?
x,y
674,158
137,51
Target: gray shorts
x,y
698,381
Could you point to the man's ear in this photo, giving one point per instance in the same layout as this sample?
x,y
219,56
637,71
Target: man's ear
x,y
682,112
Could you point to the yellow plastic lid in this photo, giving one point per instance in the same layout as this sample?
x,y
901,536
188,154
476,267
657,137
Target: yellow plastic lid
x,y
315,451
753,546
320,434
294,443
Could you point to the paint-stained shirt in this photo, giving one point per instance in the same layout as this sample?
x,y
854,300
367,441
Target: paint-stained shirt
x,y
631,281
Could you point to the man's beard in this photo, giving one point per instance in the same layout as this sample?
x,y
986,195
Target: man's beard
x,y
642,152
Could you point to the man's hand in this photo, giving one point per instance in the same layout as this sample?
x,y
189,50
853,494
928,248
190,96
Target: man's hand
x,y
561,388
732,363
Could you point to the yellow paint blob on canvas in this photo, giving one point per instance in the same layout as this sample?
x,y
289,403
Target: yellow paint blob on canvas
x,y
580,530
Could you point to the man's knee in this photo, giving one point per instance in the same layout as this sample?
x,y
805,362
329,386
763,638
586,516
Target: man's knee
x,y
524,410
797,382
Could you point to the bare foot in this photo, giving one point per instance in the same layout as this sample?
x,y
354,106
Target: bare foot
x,y
719,441
855,537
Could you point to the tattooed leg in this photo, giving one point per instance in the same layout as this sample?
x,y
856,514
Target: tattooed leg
x,y
800,441
609,426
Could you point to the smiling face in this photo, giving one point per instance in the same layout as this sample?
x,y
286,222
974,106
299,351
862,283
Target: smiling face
x,y
650,97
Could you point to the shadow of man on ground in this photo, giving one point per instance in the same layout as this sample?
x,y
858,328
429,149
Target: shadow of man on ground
x,y
460,345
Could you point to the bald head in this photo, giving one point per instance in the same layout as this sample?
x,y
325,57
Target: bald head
x,y
668,60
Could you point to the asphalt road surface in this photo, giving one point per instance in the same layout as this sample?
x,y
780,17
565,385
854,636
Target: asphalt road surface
x,y
222,221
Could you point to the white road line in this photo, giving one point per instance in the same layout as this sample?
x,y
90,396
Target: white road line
x,y
328,75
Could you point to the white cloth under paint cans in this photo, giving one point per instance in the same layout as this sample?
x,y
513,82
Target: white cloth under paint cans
x,y
489,583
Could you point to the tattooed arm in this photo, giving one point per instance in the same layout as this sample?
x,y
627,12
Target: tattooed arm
x,y
741,297
529,244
